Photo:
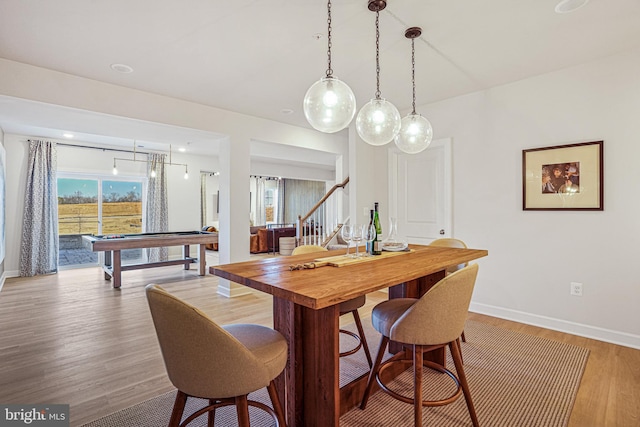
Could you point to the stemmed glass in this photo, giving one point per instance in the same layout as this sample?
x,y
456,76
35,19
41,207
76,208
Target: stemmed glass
x,y
369,235
356,236
347,231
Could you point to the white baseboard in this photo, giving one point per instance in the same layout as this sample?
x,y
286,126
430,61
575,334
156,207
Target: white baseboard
x,y
232,290
587,331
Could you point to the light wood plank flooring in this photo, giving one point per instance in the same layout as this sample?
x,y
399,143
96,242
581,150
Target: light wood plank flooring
x,y
72,338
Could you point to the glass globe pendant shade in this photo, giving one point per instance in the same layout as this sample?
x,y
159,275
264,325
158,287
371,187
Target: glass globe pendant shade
x,y
415,134
378,122
329,105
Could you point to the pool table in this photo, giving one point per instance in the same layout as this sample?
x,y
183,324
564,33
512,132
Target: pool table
x,y
112,244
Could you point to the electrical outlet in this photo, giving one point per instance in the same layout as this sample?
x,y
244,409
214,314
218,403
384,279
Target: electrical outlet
x,y
576,289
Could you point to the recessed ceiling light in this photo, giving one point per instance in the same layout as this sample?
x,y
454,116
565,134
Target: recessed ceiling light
x,y
286,111
182,149
566,6
122,68
67,135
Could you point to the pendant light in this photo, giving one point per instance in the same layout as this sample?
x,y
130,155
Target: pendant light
x,y
378,121
329,105
415,131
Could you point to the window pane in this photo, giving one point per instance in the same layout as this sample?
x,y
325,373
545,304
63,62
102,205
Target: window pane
x,y
122,213
77,215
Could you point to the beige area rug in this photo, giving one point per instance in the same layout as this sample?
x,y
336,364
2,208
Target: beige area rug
x,y
516,380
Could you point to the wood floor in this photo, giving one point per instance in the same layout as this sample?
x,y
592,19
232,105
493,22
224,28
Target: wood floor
x,y
71,338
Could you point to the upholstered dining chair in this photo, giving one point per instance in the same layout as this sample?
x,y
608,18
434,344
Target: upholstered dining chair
x,y
220,363
448,242
345,307
431,322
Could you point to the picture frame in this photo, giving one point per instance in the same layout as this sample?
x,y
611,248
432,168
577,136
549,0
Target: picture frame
x,y
563,177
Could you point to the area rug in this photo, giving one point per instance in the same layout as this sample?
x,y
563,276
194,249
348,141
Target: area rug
x,y
515,380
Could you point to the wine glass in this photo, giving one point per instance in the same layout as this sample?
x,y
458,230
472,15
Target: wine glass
x,y
347,231
369,235
356,236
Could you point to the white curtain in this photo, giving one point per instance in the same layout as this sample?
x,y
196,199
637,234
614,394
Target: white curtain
x,y
157,203
39,246
261,218
281,202
203,199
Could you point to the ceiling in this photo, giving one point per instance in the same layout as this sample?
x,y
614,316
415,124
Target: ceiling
x,y
259,57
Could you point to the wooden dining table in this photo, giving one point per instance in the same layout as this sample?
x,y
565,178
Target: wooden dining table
x,y
305,311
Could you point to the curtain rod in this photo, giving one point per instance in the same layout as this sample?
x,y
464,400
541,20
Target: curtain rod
x,y
120,150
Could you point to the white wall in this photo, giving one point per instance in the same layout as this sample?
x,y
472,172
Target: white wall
x,y
2,275
533,256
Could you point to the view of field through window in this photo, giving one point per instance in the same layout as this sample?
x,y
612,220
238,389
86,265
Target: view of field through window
x,y
96,206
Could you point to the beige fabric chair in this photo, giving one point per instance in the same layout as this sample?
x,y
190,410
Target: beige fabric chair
x,y
448,242
222,364
431,322
346,307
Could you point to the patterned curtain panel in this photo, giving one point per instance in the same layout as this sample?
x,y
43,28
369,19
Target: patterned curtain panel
x,y
157,203
300,196
39,247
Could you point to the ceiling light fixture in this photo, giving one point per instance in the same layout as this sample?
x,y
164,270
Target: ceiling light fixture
x,y
378,121
566,6
67,135
415,131
329,105
153,171
122,68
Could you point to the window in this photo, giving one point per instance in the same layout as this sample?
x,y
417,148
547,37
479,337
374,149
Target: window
x,y
97,205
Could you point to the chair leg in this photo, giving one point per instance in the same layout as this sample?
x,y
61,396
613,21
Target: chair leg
x,y
363,339
464,339
374,370
457,360
275,402
178,409
211,416
417,384
242,409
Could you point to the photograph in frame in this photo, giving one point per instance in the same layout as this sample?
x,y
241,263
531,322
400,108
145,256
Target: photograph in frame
x,y
563,177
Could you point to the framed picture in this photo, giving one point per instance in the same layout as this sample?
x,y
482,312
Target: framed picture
x,y
563,177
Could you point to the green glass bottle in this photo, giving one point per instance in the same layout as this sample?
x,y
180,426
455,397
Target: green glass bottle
x,y
377,243
370,243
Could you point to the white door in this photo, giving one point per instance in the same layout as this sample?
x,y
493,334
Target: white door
x,y
420,192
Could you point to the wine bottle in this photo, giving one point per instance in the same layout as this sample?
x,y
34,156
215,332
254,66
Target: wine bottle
x,y
370,242
377,243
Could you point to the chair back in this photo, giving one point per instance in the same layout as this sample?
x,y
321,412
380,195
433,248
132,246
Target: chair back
x,y
307,249
447,242
438,317
201,358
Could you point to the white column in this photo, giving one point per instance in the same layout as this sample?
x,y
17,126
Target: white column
x,y
234,209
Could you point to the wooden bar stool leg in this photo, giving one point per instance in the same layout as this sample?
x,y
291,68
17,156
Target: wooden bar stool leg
x,y
211,416
178,409
275,401
242,409
373,372
417,385
363,339
457,360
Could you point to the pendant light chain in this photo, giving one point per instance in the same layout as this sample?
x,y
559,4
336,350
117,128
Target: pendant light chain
x,y
377,55
413,72
329,70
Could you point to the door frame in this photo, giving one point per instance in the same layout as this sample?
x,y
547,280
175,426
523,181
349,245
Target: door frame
x,y
443,144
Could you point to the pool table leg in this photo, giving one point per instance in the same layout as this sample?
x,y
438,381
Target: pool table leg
x,y
185,254
117,272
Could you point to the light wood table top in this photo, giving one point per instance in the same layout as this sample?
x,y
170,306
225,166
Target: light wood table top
x,y
325,286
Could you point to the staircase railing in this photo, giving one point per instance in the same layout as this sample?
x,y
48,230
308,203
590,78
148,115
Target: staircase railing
x,y
316,228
